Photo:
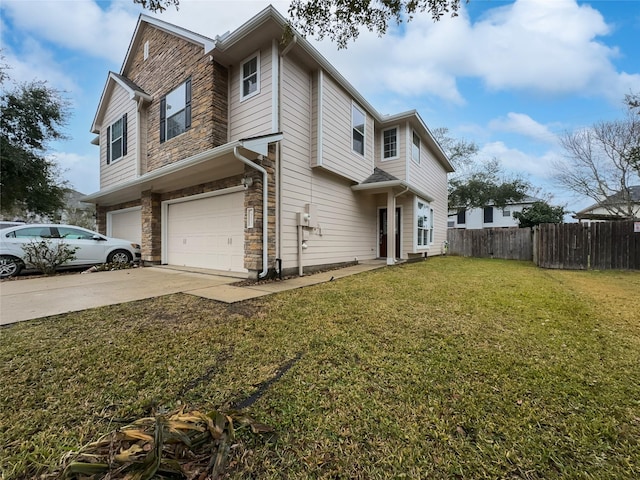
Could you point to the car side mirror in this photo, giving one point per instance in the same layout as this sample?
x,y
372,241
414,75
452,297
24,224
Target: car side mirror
x,y
98,237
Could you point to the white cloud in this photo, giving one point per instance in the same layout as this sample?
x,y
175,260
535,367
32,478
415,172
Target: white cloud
x,y
516,161
78,25
548,47
80,171
524,125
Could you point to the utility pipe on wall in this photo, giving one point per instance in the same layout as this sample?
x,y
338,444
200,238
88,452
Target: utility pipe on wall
x,y
265,213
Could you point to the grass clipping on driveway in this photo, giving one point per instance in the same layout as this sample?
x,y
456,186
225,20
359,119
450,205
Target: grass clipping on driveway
x,y
449,368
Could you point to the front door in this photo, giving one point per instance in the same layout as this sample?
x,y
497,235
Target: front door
x,y
383,232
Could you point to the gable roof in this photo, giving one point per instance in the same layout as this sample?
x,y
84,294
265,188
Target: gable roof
x,y
615,199
267,23
380,175
207,43
135,93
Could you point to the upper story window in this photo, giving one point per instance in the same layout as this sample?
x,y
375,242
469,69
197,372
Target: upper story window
x,y
390,143
424,215
415,148
250,78
117,139
175,112
462,217
488,214
358,120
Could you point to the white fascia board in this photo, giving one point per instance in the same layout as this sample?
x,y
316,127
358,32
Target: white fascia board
x,y
392,184
258,145
133,95
167,169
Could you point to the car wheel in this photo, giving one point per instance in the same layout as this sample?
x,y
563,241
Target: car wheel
x,y
119,256
9,266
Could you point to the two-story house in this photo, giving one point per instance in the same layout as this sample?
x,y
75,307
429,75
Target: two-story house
x,y
489,216
242,154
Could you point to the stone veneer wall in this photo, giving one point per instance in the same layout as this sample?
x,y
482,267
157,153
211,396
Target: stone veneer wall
x,y
170,63
253,199
152,213
101,214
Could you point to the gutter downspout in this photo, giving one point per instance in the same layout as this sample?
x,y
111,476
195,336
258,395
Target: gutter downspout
x,y
265,213
402,192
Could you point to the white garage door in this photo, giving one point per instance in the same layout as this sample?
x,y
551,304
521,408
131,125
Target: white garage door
x,y
207,233
126,224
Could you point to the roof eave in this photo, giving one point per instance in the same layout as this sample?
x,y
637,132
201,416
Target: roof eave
x,y
258,145
389,185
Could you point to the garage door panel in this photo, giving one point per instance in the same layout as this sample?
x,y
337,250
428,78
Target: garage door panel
x,y
127,225
207,233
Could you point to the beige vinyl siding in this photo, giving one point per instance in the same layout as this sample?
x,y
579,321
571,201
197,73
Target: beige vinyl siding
x,y
408,224
337,152
124,168
431,178
346,220
251,117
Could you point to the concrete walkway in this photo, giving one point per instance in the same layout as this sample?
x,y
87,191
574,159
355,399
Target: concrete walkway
x,y
27,299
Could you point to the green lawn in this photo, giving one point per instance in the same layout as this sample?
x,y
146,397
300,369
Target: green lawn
x,y
449,368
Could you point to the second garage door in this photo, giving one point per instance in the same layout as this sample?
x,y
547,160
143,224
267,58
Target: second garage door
x,y
207,233
126,224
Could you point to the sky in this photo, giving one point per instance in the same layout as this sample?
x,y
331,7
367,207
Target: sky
x,y
511,76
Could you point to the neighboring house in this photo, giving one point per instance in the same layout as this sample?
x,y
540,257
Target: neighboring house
x,y
619,206
489,216
199,136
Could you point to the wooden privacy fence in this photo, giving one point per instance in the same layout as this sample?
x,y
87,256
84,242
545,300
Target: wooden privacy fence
x,y
575,246
507,243
598,246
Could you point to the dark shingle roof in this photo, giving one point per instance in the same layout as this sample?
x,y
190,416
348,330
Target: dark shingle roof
x,y
129,83
380,175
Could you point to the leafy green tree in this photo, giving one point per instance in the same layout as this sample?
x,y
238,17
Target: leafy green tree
x,y
485,187
32,115
157,5
539,212
461,152
477,184
340,20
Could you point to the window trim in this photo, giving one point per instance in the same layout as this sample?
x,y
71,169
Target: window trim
x,y
413,144
187,110
244,97
110,140
382,149
429,230
355,106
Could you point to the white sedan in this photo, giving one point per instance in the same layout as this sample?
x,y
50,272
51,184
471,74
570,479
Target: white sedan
x,y
92,247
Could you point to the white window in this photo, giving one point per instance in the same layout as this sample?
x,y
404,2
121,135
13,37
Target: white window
x,y
506,213
389,143
146,50
175,112
250,77
358,121
117,139
415,148
424,215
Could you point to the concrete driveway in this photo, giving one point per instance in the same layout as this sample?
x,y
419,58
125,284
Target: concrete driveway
x,y
26,299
